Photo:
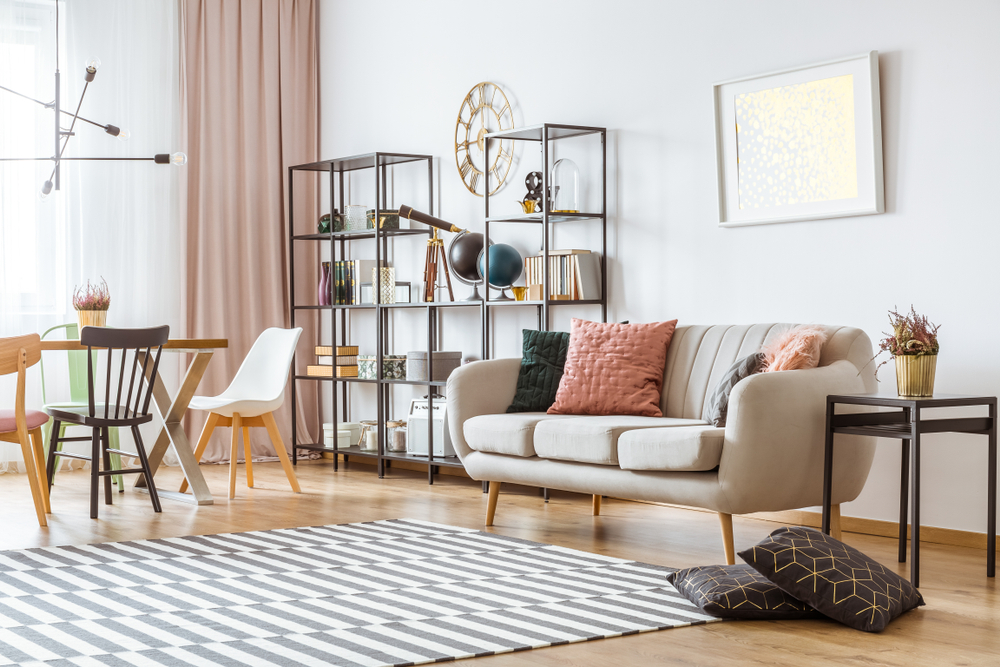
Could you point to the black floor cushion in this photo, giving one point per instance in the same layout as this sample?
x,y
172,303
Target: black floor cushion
x,y
834,578
738,591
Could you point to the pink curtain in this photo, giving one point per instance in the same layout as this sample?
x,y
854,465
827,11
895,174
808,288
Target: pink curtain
x,y
250,101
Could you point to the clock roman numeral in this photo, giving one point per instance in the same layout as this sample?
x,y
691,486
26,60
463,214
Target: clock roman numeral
x,y
474,183
466,167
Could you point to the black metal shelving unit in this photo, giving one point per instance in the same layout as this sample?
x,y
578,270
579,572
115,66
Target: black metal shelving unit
x,y
543,135
336,169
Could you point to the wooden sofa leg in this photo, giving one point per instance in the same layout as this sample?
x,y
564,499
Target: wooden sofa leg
x,y
491,507
835,532
726,521
596,504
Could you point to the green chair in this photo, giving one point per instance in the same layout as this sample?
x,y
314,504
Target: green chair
x,y
79,398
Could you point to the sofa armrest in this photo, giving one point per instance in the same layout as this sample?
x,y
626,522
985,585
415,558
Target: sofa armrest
x,y
479,388
772,459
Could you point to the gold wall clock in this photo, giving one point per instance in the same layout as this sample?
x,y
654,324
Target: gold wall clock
x,y
485,109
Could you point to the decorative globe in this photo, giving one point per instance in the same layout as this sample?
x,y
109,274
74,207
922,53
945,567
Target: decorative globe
x,y
462,254
505,265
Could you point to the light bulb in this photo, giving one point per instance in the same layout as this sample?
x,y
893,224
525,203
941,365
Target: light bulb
x,y
93,62
123,135
178,158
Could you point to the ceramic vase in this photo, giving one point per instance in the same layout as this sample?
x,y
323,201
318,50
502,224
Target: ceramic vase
x,y
915,374
92,318
323,290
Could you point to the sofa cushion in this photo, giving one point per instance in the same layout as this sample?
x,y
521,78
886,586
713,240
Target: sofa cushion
x,y
691,448
505,433
593,439
614,369
542,364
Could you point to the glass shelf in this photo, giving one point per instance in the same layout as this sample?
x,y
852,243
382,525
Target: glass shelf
x,y
537,217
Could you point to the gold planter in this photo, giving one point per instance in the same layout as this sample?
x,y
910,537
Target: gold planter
x,y
92,318
915,374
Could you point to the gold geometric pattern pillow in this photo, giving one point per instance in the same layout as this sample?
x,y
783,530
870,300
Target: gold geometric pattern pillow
x,y
834,578
738,591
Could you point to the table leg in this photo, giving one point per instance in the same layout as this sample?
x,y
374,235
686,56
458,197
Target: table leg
x,y
904,488
172,433
991,511
915,510
828,468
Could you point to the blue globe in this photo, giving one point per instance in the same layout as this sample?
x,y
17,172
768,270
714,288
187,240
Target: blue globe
x,y
505,265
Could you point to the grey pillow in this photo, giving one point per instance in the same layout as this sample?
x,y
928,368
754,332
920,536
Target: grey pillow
x,y
717,403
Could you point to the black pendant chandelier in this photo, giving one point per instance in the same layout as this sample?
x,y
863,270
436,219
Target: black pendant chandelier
x,y
62,136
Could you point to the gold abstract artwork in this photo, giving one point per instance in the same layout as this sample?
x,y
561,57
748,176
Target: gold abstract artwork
x,y
795,144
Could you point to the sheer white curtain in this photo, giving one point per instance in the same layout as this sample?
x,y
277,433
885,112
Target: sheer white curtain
x,y
120,221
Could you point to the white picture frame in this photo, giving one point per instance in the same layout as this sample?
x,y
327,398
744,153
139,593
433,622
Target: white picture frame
x,y
811,116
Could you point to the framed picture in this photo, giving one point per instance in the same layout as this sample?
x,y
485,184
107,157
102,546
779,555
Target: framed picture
x,y
800,144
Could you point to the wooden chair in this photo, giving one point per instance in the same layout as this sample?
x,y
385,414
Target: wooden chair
x,y
254,394
139,344
21,426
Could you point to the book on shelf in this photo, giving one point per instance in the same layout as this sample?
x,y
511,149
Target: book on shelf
x,y
350,273
574,275
338,350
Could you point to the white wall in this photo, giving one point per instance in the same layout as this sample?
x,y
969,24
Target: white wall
x,y
394,74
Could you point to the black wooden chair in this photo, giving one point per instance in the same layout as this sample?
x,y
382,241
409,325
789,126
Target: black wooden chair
x,y
139,344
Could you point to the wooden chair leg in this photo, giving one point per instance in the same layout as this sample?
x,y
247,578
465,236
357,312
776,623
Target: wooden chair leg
x,y
246,455
33,481
279,448
491,503
206,435
95,467
835,531
596,504
38,449
726,522
234,451
106,458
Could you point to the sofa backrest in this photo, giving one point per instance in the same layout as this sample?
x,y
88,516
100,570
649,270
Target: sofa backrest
x,y
699,355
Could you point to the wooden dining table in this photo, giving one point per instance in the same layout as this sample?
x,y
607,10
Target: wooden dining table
x,y
171,410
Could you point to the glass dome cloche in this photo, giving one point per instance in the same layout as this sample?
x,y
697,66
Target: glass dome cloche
x,y
565,187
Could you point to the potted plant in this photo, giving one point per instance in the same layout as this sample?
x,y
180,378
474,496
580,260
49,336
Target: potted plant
x,y
92,303
913,345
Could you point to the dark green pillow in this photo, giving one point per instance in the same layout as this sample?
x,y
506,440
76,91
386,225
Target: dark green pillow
x,y
833,578
542,362
738,591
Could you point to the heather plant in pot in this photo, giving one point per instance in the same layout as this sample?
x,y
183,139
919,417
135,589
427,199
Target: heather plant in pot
x,y
914,347
91,303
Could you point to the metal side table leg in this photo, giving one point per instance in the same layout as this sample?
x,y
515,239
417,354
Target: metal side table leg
x,y
991,511
904,490
915,511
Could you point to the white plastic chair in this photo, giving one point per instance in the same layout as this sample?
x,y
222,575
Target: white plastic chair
x,y
254,394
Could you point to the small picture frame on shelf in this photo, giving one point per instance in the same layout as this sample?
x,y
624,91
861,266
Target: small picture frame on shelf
x,y
403,292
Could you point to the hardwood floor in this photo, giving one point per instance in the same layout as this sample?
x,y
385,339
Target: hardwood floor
x,y
959,626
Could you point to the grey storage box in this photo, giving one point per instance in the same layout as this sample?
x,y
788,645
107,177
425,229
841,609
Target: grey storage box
x,y
444,364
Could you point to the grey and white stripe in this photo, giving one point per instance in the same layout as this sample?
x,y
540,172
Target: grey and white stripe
x,y
399,592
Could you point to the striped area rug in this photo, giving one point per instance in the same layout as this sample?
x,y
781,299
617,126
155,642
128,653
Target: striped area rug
x,y
398,592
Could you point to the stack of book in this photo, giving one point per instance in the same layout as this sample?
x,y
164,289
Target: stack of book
x,y
347,278
340,361
573,275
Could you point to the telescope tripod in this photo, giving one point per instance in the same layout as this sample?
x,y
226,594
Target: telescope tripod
x,y
435,253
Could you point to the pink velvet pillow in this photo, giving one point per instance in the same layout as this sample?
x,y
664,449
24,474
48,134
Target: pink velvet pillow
x,y
795,349
614,369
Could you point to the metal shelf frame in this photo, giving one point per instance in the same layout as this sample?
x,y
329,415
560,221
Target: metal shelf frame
x,y
336,168
544,135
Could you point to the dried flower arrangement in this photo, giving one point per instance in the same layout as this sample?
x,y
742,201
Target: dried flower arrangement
x,y
912,335
92,297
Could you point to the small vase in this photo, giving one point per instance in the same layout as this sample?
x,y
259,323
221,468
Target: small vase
x,y
323,290
92,318
915,374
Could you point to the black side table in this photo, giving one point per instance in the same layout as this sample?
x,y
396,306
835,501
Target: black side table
x,y
907,424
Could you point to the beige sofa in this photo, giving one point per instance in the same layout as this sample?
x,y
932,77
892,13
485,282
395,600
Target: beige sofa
x,y
769,457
